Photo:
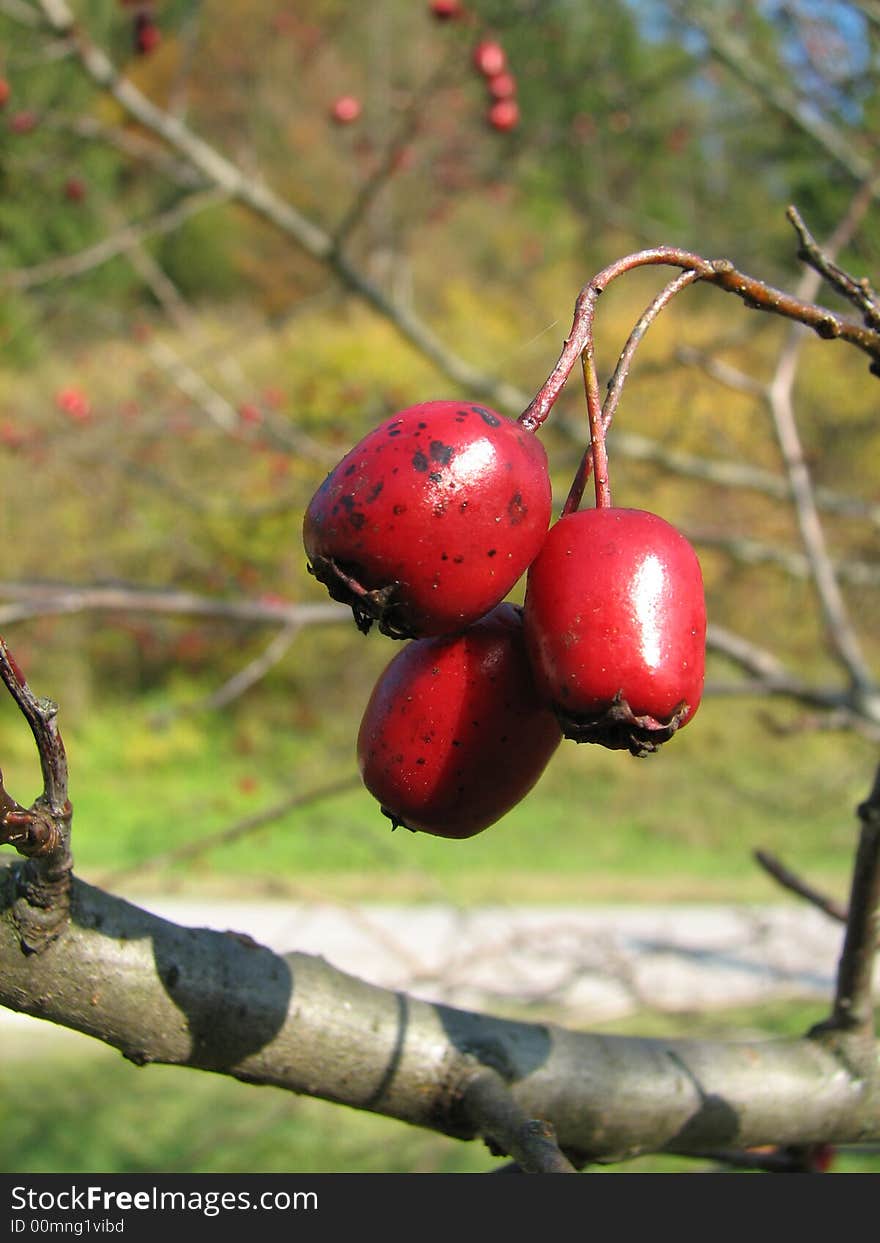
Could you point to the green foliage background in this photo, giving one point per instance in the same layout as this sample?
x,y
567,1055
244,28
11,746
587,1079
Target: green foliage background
x,y
632,135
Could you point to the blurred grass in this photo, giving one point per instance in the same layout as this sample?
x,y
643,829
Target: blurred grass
x,y
80,1108
600,826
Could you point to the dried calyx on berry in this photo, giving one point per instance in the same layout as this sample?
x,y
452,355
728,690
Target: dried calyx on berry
x,y
615,622
428,522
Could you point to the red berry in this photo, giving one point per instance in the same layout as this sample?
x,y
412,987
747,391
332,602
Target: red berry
x,y
615,622
502,85
147,35
23,122
75,189
5,91
504,114
454,733
346,109
446,10
428,522
74,402
490,58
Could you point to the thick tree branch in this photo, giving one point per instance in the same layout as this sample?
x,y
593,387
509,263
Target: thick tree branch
x,y
192,997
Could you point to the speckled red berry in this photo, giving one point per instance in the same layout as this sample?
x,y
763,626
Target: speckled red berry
x,y
428,522
615,622
454,734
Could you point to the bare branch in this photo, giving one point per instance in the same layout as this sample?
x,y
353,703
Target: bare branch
x,y
795,884
733,52
494,1114
39,599
70,266
240,682
853,1011
734,475
193,848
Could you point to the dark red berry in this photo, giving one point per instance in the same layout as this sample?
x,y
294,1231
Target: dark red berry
x,y
490,58
454,733
504,114
428,522
75,189
446,10
5,92
147,35
615,621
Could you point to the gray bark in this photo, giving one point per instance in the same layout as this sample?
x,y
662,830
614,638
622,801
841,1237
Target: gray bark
x,y
220,1002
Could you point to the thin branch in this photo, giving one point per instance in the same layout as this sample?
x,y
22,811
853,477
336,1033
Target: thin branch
x,y
733,52
45,599
859,292
853,1009
796,565
737,475
494,1113
69,266
242,681
795,884
842,637
194,848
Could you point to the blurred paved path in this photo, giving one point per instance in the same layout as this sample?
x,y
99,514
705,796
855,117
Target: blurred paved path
x,y
594,963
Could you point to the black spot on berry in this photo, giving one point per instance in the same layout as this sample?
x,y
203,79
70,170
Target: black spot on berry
x,y
457,560
351,469
393,431
444,556
374,491
487,416
357,519
421,760
441,453
516,510
347,502
422,426
456,742
436,476
491,552
420,462
399,509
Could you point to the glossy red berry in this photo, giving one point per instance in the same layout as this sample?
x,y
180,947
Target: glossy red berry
x,y
454,733
490,58
504,115
615,622
428,522
346,109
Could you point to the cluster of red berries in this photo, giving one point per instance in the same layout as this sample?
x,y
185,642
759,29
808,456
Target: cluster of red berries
x,y
423,528
490,60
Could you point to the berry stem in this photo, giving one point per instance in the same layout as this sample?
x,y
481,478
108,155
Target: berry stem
x,y
596,451
612,397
